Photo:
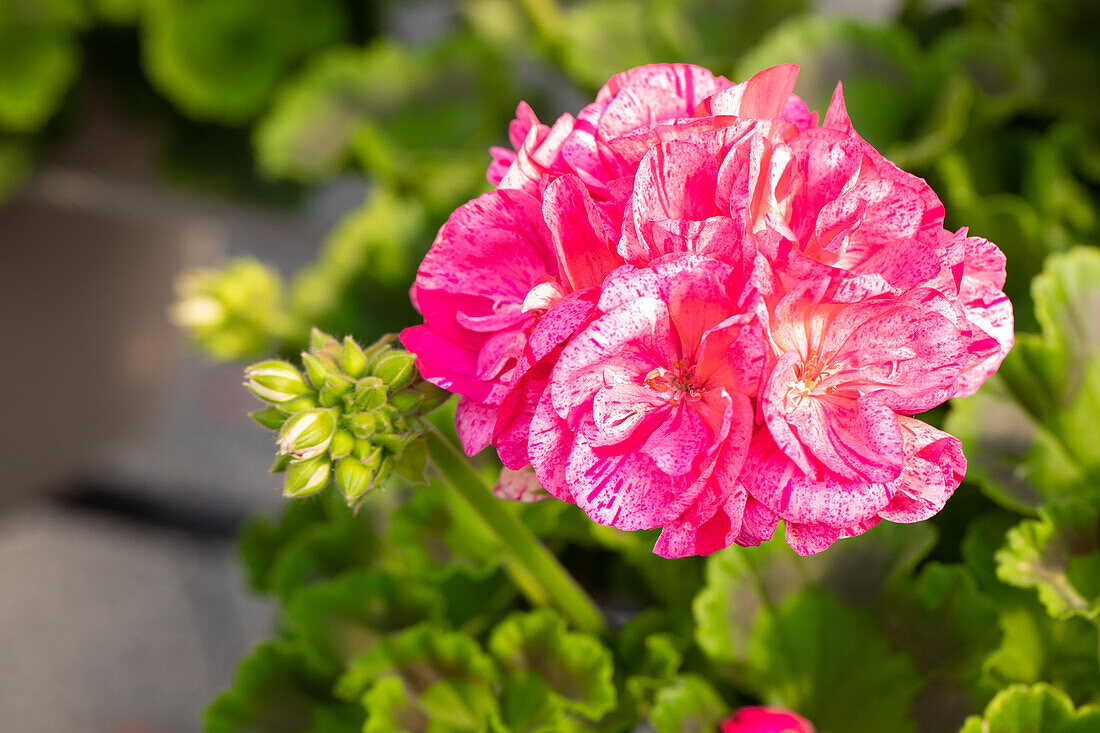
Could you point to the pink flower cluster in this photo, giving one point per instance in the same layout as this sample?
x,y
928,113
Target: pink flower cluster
x,y
693,307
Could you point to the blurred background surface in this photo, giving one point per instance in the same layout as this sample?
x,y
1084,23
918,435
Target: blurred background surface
x,y
322,142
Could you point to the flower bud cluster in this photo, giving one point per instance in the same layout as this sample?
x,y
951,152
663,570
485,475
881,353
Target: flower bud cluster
x,y
350,414
234,312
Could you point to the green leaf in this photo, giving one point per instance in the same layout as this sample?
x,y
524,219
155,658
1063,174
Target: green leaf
x,y
1037,709
424,678
1059,556
1036,647
827,661
39,60
742,581
1030,433
689,706
572,671
313,541
220,59
949,628
435,533
342,619
276,692
389,106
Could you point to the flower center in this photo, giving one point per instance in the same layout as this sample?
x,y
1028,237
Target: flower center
x,y
678,383
809,374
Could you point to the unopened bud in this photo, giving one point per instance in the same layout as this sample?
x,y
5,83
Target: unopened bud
x,y
352,359
333,392
370,393
315,370
393,442
343,442
275,381
299,405
269,417
364,424
369,454
306,477
406,401
353,479
320,341
396,369
308,434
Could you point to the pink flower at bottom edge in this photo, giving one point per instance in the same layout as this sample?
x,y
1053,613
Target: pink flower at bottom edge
x,y
766,720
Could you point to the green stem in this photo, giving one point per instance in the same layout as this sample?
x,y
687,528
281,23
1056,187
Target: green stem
x,y
534,569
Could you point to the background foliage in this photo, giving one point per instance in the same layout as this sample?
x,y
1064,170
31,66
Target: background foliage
x,y
400,617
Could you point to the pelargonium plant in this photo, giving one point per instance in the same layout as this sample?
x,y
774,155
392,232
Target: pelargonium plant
x,y
699,308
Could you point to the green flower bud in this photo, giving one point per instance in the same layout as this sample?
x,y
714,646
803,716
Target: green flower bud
x,y
298,405
343,442
319,341
308,434
332,394
370,393
306,477
394,443
369,454
353,479
269,417
275,381
352,359
396,369
280,463
384,470
315,370
406,401
363,424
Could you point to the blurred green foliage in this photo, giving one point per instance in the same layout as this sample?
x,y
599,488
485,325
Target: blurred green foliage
x,y
996,103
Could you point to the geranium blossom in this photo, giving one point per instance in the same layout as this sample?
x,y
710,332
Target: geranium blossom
x,y
693,308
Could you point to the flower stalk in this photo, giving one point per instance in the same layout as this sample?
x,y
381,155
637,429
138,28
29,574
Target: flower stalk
x,y
534,569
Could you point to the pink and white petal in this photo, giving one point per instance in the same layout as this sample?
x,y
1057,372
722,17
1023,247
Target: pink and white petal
x,y
716,236
836,117
934,468
679,442
758,524
625,490
522,486
585,254
822,497
635,338
648,94
549,445
796,112
675,180
684,538
764,95
474,423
